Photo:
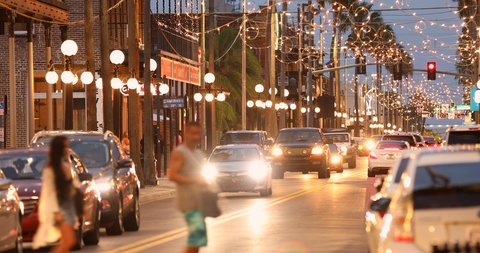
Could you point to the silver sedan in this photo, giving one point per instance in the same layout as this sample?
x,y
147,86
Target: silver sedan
x,y
239,168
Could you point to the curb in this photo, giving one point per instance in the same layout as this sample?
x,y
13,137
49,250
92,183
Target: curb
x,y
145,198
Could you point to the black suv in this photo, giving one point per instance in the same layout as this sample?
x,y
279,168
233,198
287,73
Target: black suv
x,y
114,174
300,150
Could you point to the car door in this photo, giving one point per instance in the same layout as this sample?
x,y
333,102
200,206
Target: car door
x,y
8,215
90,201
124,176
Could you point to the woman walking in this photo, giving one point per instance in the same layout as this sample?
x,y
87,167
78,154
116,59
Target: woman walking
x,y
57,215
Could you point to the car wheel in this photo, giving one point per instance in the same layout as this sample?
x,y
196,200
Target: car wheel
x,y
304,172
327,173
117,227
371,173
322,173
132,221
352,163
93,237
19,240
79,235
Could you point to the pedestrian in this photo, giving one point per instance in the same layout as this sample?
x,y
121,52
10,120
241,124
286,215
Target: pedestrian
x,y
179,138
186,172
126,142
56,208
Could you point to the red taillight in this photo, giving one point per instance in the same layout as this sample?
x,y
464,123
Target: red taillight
x,y
105,204
400,238
373,156
382,214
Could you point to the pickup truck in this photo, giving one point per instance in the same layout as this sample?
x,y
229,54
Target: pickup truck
x,y
341,137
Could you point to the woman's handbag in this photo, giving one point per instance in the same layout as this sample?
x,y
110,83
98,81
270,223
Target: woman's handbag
x,y
210,204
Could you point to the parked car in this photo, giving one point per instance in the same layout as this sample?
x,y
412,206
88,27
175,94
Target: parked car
x,y
300,150
11,211
462,135
435,208
114,174
259,138
239,168
341,137
24,167
384,156
430,141
402,137
386,188
419,139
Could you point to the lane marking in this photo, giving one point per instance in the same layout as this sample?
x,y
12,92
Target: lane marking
x,y
150,242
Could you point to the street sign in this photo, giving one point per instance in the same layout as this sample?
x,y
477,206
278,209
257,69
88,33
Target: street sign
x,y
463,107
445,108
173,103
451,115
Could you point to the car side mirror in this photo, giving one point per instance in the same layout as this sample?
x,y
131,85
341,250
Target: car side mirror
x,y
85,177
380,205
379,183
125,163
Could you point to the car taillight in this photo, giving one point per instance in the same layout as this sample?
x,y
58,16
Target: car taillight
x,y
402,229
373,156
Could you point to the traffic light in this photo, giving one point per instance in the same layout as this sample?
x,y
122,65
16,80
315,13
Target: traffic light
x,y
431,70
397,72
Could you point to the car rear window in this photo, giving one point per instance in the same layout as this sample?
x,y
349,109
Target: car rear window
x,y
463,137
447,186
299,136
391,145
409,139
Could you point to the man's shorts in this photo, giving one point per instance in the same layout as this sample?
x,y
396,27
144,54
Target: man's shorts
x,y
197,229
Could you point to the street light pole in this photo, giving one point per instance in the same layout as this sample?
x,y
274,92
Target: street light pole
x,y
244,66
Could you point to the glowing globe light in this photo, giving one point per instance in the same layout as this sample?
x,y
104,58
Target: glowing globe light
x,y
268,104
153,65
209,78
286,93
303,110
221,97
51,77
75,79
99,83
116,83
86,77
117,57
259,88
132,83
258,103
250,103
69,48
209,97
293,107
317,109
67,76
197,97
164,88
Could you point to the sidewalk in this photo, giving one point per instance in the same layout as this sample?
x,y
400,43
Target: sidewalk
x,y
163,190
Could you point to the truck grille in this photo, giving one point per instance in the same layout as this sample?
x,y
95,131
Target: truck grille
x,y
297,151
30,204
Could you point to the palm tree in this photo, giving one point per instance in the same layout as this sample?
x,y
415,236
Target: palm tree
x,y
228,75
466,43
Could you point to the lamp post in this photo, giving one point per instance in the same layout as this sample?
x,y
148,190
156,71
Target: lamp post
x,y
259,90
68,76
161,89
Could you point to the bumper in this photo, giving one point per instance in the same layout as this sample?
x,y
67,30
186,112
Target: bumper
x,y
299,164
380,166
109,207
240,183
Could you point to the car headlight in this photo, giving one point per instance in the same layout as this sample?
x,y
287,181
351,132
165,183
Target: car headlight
x,y
209,172
344,150
103,186
370,144
277,151
257,170
317,151
360,147
335,159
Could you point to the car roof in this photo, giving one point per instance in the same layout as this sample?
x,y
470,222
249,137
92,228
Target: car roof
x,y
244,131
399,134
237,146
71,134
19,151
464,128
299,129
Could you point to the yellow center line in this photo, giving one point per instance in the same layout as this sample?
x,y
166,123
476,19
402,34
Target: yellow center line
x,y
150,242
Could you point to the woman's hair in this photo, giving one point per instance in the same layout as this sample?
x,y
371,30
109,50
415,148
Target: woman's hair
x,y
55,160
125,135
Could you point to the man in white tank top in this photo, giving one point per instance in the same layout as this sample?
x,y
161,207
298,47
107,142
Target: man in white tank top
x,y
186,171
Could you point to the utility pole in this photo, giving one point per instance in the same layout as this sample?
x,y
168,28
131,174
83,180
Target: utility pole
x,y
105,69
150,175
212,140
356,131
300,69
271,116
244,65
282,64
133,98
48,58
309,74
90,90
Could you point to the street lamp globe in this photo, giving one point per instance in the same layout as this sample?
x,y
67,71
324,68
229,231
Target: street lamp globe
x,y
277,107
99,83
400,129
268,104
209,78
283,106
258,103
164,88
286,93
389,125
153,65
221,97
250,103
86,77
317,109
67,76
117,57
116,83
197,97
361,119
75,79
209,97
272,89
132,83
69,48
293,107
394,127
51,77
478,84
303,110
259,88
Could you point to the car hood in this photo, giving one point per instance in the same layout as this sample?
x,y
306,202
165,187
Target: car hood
x,y
28,187
299,144
342,144
234,166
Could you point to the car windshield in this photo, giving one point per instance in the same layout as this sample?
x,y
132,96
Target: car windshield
x,y
235,155
401,168
447,185
396,145
299,136
408,138
429,139
417,137
242,138
463,137
23,166
94,154
337,137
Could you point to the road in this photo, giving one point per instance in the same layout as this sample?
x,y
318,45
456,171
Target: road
x,y
305,214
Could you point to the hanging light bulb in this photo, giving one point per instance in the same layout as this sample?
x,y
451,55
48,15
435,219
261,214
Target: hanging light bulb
x,y
99,83
209,97
164,88
132,83
221,97
116,83
86,77
51,77
197,97
67,76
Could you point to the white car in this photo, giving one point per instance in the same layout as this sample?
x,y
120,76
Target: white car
x,y
384,156
386,189
437,205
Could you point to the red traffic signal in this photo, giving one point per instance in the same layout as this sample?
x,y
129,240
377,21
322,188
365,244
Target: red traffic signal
x,y
431,70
